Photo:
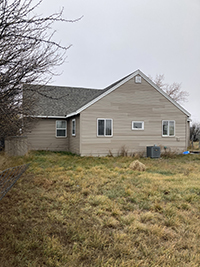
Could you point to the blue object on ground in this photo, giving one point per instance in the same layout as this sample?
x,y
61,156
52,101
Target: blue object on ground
x,y
186,152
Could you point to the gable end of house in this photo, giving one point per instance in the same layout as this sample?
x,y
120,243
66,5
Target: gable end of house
x,y
122,81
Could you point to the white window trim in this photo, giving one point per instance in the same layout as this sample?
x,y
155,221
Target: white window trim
x,y
105,128
74,134
138,129
61,129
168,128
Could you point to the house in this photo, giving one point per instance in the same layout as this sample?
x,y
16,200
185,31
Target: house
x,y
130,114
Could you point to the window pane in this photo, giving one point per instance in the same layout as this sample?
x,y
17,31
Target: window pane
x,y
137,125
108,127
100,127
61,132
171,127
165,127
73,127
60,124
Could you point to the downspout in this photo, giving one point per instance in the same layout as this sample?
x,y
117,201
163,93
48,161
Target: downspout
x,y
188,120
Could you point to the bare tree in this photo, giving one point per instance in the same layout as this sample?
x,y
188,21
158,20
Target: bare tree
x,y
173,90
28,54
195,132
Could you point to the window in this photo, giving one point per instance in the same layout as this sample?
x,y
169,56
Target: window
x,y
104,127
73,127
137,125
168,128
61,128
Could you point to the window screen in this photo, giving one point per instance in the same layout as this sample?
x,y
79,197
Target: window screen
x,y
168,128
61,128
104,127
137,125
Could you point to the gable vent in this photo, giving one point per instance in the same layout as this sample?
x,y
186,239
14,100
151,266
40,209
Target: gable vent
x,y
138,79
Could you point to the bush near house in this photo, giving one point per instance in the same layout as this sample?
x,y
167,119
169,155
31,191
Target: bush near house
x,y
82,211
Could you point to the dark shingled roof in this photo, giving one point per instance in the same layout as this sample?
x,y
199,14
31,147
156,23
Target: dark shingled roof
x,y
61,101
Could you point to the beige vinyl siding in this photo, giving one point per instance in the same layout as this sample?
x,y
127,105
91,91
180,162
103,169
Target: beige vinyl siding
x,y
74,141
43,136
132,102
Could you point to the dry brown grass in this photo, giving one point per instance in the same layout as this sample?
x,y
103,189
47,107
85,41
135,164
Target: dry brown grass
x,y
73,211
136,165
195,146
4,161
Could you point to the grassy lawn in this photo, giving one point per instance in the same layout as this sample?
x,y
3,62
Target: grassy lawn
x,y
76,211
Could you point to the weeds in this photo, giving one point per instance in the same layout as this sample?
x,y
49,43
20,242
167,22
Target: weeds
x,y
123,152
82,211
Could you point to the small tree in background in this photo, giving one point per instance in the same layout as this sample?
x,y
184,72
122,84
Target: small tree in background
x,y
173,90
28,54
195,132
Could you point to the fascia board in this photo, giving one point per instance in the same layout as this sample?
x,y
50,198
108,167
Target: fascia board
x,y
50,117
72,114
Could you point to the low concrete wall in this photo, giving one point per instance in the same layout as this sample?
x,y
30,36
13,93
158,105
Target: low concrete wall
x,y
16,145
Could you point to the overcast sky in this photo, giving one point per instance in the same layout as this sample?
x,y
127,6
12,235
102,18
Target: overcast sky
x,y
116,37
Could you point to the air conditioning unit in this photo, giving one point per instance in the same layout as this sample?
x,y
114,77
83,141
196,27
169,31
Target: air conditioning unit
x,y
153,151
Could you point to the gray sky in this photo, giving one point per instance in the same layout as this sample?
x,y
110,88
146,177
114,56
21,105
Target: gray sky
x,y
117,37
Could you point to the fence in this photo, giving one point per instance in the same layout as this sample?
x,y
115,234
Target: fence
x,y
9,177
16,146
